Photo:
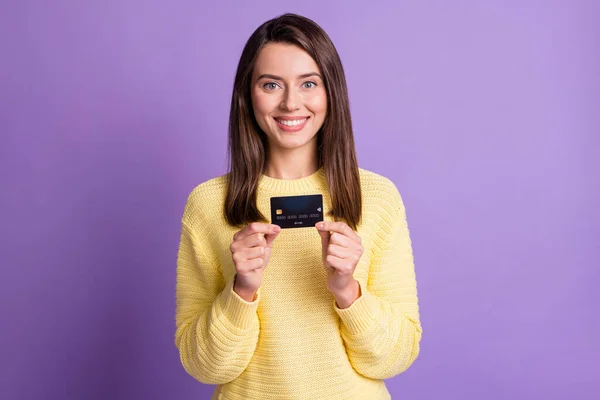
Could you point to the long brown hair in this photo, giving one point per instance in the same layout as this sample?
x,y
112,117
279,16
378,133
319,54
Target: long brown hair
x,y
335,140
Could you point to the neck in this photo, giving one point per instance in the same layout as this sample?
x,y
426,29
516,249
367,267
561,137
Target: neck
x,y
295,164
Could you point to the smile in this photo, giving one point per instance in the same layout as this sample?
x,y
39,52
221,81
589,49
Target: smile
x,y
291,125
292,122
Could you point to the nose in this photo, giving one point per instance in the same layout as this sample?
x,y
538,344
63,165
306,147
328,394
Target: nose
x,y
291,100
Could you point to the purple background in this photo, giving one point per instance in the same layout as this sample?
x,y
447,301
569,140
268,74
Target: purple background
x,y
485,115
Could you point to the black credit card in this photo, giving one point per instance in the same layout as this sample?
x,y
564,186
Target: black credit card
x,y
297,211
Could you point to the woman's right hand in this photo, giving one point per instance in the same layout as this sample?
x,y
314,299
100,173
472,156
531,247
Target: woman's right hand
x,y
251,251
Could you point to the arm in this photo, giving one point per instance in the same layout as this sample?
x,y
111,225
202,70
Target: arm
x,y
217,330
381,329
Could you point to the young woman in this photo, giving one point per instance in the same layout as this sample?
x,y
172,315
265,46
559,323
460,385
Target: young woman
x,y
323,312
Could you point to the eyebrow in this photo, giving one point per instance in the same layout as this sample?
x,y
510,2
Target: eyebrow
x,y
278,78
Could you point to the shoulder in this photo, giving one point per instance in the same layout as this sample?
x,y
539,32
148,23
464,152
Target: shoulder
x,y
206,199
379,190
209,189
382,203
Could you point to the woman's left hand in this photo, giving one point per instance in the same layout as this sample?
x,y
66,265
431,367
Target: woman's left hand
x,y
342,250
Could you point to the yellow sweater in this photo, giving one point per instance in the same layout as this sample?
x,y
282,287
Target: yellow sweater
x,y
292,342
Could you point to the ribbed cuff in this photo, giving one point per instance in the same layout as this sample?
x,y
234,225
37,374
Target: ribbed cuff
x,y
362,314
240,313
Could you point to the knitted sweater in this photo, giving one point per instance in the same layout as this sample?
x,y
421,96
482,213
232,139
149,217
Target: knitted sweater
x,y
292,341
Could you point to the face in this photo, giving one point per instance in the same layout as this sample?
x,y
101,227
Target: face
x,y
288,96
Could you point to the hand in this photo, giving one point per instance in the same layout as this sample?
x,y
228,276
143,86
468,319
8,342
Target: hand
x,y
342,250
251,251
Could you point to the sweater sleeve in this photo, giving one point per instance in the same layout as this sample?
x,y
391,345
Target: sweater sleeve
x,y
216,330
381,329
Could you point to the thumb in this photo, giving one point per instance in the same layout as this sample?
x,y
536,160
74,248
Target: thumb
x,y
270,237
325,235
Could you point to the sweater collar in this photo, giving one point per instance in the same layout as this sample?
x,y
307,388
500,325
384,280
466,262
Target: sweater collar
x,y
316,181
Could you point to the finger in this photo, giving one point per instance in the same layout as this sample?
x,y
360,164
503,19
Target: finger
x,y
351,254
336,262
243,255
250,241
253,252
256,239
338,251
340,227
256,227
340,240
250,265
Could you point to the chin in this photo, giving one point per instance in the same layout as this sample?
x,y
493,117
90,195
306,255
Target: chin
x,y
293,142
290,145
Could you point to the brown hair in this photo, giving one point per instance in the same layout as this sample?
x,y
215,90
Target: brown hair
x,y
335,141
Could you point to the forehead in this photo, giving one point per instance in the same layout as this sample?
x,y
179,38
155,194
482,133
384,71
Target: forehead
x,y
285,60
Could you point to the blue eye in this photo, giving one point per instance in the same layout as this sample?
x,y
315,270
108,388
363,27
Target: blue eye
x,y
312,85
270,86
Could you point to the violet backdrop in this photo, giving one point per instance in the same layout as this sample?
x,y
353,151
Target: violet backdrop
x,y
484,114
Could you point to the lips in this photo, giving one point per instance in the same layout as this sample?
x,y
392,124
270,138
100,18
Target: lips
x,y
291,124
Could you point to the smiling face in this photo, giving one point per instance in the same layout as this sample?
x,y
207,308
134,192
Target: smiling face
x,y
288,96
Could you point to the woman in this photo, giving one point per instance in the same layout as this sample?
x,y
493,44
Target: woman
x,y
323,312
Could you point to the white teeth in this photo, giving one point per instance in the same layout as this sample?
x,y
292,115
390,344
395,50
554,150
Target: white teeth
x,y
292,122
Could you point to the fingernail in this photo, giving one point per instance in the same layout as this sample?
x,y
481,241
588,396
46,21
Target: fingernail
x,y
320,225
276,228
